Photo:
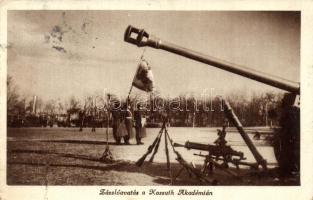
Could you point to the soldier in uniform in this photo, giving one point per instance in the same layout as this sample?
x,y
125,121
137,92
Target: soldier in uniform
x,y
115,125
128,124
119,125
138,125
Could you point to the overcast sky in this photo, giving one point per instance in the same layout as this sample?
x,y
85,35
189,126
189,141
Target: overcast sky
x,y
57,54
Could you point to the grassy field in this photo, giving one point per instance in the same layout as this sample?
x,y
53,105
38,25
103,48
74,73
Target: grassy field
x,y
65,156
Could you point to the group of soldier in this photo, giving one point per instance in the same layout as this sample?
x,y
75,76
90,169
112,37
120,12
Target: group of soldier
x,y
122,123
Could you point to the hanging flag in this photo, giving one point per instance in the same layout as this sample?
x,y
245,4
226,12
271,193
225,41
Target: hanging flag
x,y
143,79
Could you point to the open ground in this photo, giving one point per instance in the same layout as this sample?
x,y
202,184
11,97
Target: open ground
x,y
65,156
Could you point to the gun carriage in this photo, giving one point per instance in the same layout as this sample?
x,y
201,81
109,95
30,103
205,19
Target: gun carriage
x,y
287,138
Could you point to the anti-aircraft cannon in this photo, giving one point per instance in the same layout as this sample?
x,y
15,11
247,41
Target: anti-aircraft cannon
x,y
287,142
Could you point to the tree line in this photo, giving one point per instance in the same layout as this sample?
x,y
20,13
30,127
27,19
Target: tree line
x,y
260,109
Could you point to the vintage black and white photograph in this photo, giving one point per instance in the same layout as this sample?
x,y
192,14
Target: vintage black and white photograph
x,y
153,97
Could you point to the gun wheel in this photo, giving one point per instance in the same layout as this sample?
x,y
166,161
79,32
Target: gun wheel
x,y
287,144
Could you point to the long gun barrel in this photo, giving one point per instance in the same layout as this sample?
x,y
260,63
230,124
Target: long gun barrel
x,y
212,149
141,38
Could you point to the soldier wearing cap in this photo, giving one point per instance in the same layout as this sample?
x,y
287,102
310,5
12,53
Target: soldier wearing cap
x,y
116,122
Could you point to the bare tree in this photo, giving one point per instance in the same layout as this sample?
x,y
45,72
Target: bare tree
x,y
73,105
50,107
12,95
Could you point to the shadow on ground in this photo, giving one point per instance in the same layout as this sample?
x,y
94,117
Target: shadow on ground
x,y
158,171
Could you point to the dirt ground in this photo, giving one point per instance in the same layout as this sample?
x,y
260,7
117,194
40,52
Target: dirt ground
x,y
65,156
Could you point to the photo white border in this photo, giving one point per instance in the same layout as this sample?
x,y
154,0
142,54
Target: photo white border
x,y
303,192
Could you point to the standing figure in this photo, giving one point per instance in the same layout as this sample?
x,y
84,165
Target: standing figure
x,y
81,116
128,120
124,129
115,125
138,125
119,125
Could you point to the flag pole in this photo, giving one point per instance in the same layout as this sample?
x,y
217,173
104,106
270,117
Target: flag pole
x,y
131,87
130,90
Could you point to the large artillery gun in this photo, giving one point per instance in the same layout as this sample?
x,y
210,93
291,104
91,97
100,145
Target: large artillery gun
x,y
287,138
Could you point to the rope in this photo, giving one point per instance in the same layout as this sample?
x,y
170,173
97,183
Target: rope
x,y
143,52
